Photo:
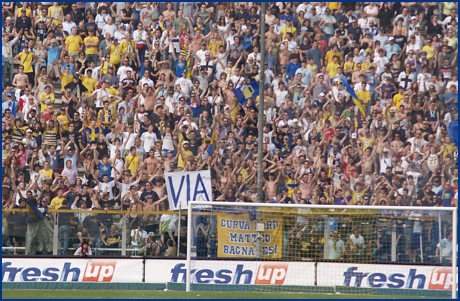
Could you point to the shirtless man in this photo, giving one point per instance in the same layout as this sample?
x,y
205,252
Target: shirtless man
x,y
368,160
397,144
169,162
169,14
272,184
149,100
381,137
21,80
159,187
169,75
119,125
230,97
195,44
306,185
285,54
152,163
271,36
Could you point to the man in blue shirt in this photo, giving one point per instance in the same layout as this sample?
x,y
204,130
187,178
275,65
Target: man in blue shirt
x,y
53,56
451,98
292,67
247,38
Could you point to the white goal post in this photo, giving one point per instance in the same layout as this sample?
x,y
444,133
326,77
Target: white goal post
x,y
327,212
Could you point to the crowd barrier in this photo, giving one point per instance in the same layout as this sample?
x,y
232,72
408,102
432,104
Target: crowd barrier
x,y
228,275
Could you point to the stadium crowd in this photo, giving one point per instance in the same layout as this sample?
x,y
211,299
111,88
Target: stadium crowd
x,y
100,99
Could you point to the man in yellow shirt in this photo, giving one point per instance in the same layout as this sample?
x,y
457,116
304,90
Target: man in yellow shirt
x,y
367,140
429,49
332,67
363,95
46,99
128,47
334,52
184,154
74,44
397,98
25,58
452,41
56,203
91,44
56,13
289,28
132,161
66,77
88,81
115,52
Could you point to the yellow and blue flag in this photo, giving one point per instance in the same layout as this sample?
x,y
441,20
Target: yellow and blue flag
x,y
249,91
213,143
355,98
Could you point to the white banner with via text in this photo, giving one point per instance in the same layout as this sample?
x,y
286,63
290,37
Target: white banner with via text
x,y
183,187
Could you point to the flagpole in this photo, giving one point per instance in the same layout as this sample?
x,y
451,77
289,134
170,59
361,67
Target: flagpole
x,y
260,124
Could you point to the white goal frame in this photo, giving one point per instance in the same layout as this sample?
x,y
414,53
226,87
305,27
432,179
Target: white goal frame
x,y
453,210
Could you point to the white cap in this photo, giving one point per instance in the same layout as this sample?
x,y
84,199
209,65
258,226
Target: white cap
x,y
295,120
391,38
185,142
322,94
8,18
185,123
413,18
354,136
226,107
29,131
385,150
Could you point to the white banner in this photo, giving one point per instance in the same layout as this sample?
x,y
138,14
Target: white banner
x,y
72,270
385,276
232,272
183,187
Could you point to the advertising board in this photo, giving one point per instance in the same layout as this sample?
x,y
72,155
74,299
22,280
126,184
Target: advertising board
x,y
231,272
72,270
385,276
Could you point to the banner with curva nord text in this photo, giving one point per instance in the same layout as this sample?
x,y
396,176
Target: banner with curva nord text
x,y
238,236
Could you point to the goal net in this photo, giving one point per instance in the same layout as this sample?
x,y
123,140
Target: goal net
x,y
400,251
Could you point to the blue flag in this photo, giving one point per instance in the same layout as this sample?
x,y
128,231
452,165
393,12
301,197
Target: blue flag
x,y
249,91
452,131
13,109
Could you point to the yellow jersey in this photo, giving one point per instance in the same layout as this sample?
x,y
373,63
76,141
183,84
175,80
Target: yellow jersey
x,y
331,69
133,163
430,50
397,99
330,54
73,43
47,173
89,83
65,79
364,97
367,142
26,60
49,101
128,48
57,202
63,121
28,12
115,54
57,13
91,49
